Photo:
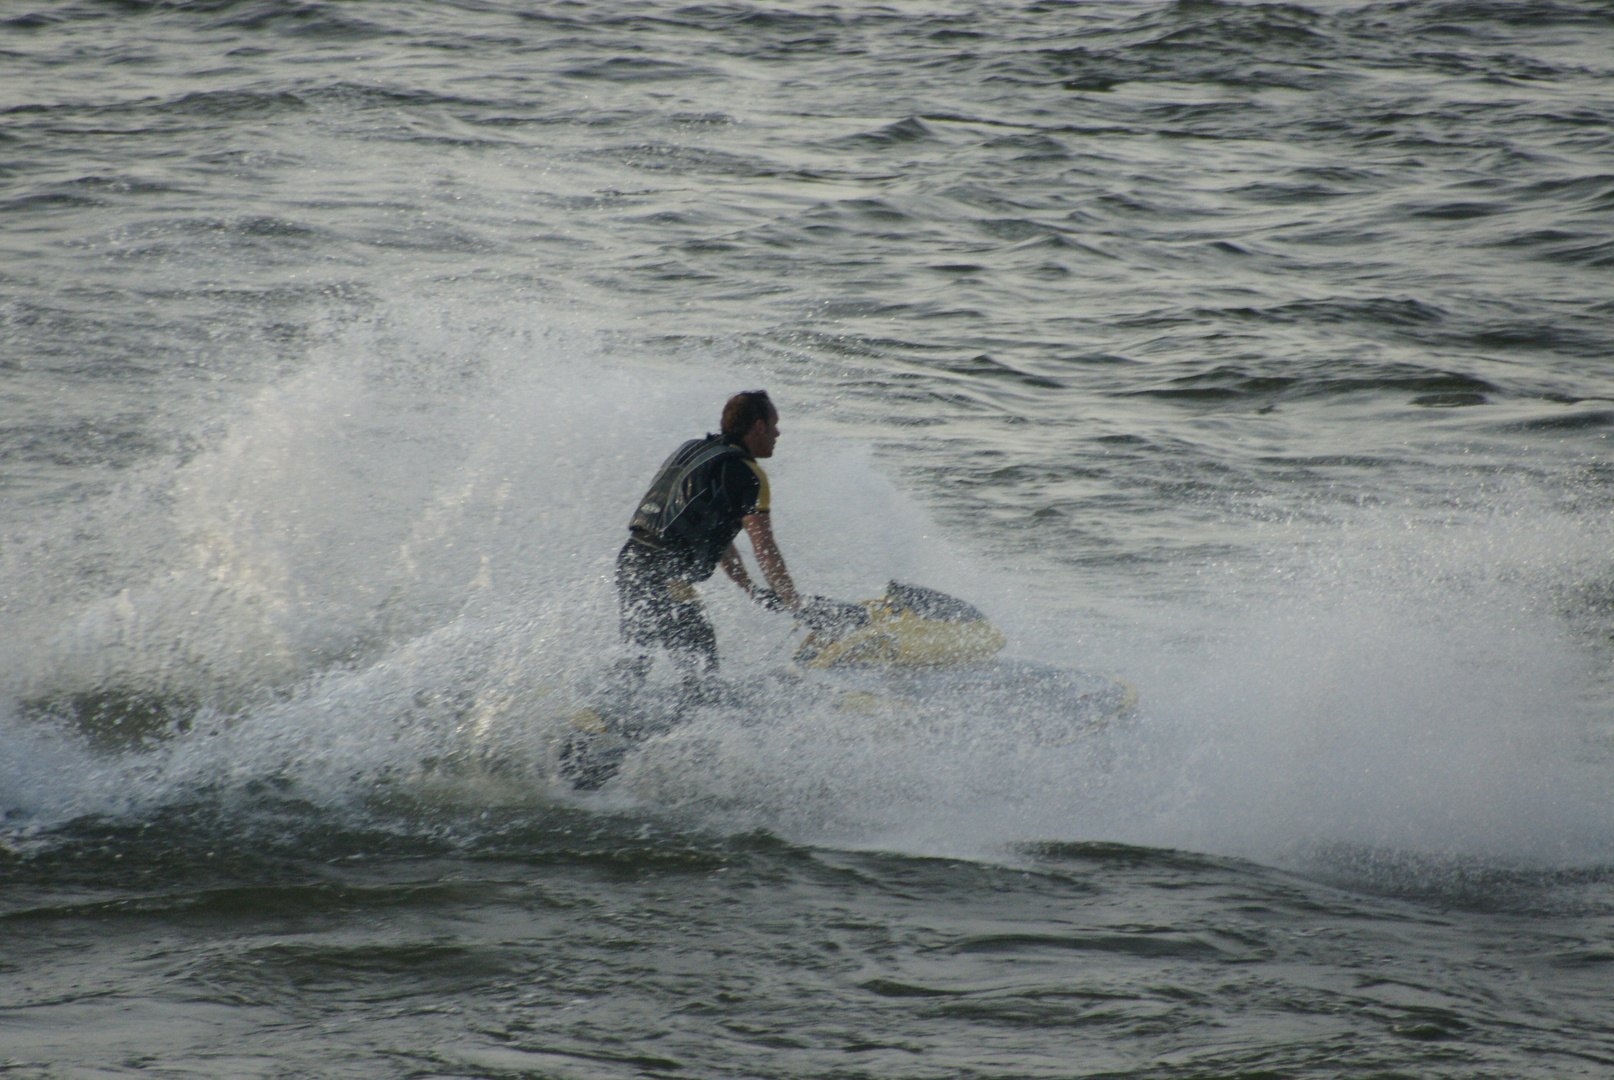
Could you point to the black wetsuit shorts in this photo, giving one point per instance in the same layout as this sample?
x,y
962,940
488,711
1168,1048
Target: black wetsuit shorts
x,y
658,609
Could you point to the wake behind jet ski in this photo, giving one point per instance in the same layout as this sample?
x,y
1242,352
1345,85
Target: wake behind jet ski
x,y
914,656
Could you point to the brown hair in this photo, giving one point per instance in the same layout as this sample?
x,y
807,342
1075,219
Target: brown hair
x,y
744,410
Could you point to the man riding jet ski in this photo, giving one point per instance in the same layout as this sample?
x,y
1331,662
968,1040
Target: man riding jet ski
x,y
913,648
684,529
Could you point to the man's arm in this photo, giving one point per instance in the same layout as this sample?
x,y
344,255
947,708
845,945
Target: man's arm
x,y
760,528
734,567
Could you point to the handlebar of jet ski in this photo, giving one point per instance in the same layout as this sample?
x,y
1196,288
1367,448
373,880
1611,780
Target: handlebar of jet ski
x,y
832,618
824,615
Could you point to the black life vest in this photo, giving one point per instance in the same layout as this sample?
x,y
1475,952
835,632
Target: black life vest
x,y
695,506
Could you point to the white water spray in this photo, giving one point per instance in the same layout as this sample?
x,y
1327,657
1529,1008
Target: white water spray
x,y
382,568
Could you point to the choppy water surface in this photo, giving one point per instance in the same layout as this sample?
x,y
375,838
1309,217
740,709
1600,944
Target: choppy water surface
x,y
1256,354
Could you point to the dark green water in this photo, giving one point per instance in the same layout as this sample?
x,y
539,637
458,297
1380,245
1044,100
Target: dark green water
x,y
264,940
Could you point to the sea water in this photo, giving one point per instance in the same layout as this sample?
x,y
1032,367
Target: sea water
x,y
1255,355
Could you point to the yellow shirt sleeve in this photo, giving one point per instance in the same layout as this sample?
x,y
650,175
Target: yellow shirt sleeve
x,y
763,496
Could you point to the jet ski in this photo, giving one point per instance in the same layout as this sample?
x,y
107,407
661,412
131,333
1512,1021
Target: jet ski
x,y
913,656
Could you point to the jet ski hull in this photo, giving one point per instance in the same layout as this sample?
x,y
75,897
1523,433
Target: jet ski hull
x,y
913,657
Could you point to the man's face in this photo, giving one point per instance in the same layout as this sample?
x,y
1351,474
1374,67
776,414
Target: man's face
x,y
763,434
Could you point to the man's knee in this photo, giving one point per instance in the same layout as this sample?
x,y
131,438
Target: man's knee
x,y
692,638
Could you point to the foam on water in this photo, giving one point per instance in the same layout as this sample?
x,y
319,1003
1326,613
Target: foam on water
x,y
1404,689
390,577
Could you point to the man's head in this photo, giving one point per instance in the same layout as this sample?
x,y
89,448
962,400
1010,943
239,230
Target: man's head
x,y
751,420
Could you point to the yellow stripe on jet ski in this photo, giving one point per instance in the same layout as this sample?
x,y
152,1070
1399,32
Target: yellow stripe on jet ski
x,y
1130,700
861,701
588,720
